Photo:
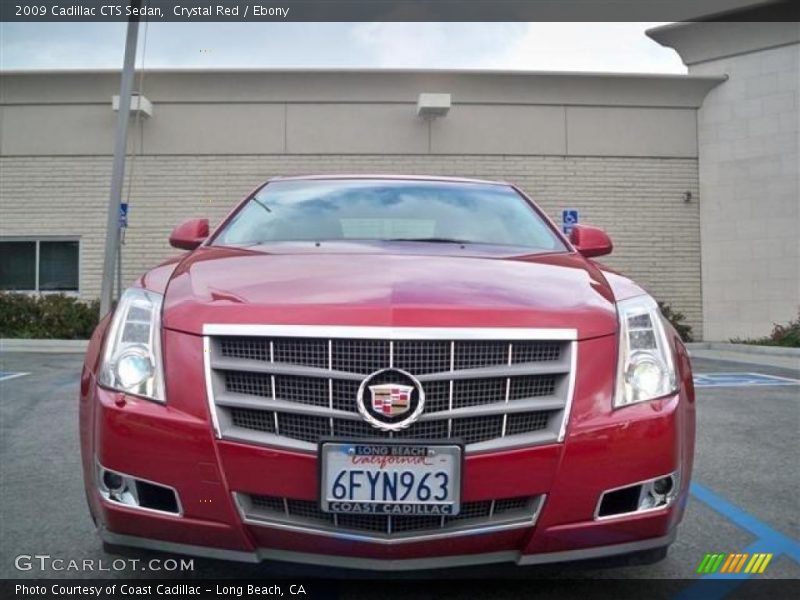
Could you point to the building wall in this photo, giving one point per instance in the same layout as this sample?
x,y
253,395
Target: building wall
x,y
750,209
748,144
637,200
621,149
356,113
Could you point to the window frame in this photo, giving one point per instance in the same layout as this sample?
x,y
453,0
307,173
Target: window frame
x,y
38,240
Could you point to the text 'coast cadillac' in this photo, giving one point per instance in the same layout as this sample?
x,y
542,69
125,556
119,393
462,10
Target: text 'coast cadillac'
x,y
387,373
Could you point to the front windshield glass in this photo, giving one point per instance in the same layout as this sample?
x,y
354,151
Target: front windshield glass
x,y
363,209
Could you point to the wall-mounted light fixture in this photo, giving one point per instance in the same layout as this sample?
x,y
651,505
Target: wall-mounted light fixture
x,y
432,106
139,105
687,196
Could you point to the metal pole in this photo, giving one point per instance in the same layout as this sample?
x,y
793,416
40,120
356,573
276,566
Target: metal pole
x,y
118,168
119,266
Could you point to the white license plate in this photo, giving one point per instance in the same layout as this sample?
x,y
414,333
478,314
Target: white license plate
x,y
390,478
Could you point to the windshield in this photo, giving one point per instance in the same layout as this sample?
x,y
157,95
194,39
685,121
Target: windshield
x,y
363,209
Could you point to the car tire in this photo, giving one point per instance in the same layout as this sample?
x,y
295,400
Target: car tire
x,y
646,557
89,507
123,551
633,559
112,549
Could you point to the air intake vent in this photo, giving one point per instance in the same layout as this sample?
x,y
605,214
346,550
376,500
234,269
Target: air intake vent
x,y
647,495
484,516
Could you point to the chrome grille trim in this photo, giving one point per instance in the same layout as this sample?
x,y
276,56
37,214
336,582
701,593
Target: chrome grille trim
x,y
531,407
396,530
212,409
573,369
393,333
542,403
330,381
251,366
452,384
272,386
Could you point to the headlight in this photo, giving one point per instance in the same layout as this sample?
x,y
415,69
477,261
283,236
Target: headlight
x,y
132,355
645,369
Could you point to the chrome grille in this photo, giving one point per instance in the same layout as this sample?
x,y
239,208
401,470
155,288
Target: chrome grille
x,y
304,509
472,392
257,420
360,356
365,356
304,390
306,352
306,514
308,428
422,357
524,422
505,504
290,391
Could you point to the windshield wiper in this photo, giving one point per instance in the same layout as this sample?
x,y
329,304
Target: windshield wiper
x,y
432,240
262,205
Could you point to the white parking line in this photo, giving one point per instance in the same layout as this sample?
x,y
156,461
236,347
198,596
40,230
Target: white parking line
x,y
7,376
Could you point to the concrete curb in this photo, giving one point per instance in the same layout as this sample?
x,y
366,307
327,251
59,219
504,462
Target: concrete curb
x,y
766,356
49,346
744,348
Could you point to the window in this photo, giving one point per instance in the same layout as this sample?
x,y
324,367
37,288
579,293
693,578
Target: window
x,y
390,210
39,265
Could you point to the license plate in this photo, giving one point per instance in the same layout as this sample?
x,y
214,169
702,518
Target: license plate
x,y
390,478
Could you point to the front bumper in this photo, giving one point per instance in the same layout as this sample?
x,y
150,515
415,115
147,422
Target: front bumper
x,y
405,564
174,445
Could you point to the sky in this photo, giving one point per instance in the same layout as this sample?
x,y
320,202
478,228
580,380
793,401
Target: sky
x,y
619,47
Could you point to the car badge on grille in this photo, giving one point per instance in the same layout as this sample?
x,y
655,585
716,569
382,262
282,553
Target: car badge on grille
x,y
391,399
396,399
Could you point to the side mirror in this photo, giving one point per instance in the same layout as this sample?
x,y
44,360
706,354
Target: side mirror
x,y
189,234
590,241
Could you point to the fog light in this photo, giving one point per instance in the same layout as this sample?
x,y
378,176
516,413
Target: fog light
x,y
113,482
646,495
120,488
117,487
663,486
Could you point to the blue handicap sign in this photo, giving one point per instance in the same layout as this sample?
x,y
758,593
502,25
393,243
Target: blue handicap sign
x,y
123,215
569,218
740,380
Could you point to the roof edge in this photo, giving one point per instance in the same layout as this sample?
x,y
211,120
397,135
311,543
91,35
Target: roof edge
x,y
704,41
383,86
358,71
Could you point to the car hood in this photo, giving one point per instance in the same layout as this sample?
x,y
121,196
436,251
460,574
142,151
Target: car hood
x,y
218,285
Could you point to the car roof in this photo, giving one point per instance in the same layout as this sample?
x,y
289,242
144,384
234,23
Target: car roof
x,y
390,177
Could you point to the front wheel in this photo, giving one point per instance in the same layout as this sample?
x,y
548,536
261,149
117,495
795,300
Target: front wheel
x,y
645,557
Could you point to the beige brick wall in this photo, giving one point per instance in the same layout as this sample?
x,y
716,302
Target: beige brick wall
x,y
639,201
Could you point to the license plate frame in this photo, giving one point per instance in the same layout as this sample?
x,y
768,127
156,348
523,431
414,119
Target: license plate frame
x,y
452,447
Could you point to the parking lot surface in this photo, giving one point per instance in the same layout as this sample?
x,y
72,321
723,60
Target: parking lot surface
x,y
745,494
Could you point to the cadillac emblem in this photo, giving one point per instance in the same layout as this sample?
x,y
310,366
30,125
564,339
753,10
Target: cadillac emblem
x,y
390,399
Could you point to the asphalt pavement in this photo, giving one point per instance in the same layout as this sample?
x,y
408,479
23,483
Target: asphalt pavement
x,y
745,494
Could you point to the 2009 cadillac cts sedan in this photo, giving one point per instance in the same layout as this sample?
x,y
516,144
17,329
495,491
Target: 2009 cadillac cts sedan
x,y
387,373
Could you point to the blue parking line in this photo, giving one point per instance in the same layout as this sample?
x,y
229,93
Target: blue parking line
x,y
717,586
740,380
780,542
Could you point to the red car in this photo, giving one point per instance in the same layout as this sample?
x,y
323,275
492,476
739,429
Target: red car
x,y
380,372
